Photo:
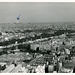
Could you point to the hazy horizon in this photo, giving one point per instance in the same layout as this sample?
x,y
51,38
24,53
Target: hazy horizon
x,y
37,12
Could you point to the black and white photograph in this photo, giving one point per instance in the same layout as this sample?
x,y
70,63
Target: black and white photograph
x,y
37,37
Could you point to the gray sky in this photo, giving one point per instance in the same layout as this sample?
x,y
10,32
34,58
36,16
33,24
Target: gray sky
x,y
37,12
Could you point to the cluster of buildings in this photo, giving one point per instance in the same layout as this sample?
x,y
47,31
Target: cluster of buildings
x,y
59,56
63,51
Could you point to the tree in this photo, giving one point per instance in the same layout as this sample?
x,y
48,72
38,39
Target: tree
x,y
37,49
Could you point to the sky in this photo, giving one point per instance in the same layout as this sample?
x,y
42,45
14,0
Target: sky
x,y
35,12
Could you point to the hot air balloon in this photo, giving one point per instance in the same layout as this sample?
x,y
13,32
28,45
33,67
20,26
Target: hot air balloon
x,y
18,18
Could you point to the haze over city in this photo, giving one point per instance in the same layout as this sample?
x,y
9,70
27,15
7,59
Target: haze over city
x,y
37,37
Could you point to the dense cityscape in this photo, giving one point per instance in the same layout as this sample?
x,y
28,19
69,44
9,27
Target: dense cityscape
x,y
37,48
